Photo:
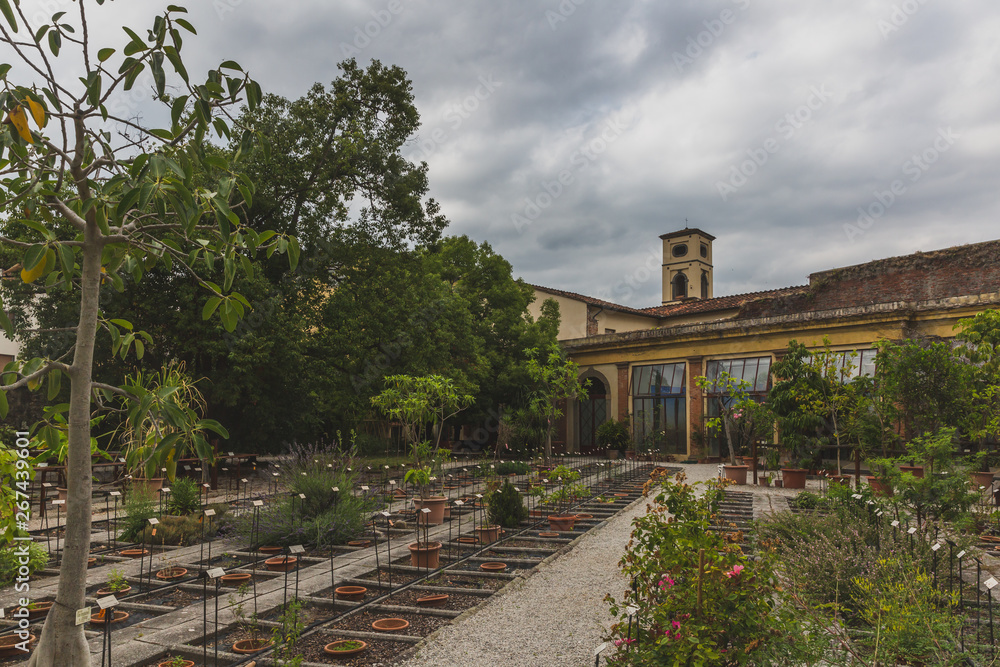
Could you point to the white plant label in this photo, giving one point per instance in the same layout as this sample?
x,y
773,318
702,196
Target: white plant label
x,y
274,474
83,615
209,512
991,583
58,502
960,554
364,488
165,489
215,573
425,510
108,602
937,545
392,482
154,521
258,503
857,496
631,610
600,648
115,493
232,453
911,531
244,481
459,503
895,524
296,549
479,495
336,489
302,496
386,514
47,485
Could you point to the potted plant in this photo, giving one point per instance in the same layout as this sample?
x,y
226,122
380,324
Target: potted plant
x,y
615,435
116,584
345,648
176,661
566,492
248,624
881,480
172,571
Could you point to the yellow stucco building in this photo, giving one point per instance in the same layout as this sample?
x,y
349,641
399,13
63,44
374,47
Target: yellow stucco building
x,y
642,363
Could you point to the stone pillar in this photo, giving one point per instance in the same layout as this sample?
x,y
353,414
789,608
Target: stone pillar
x,y
697,446
623,396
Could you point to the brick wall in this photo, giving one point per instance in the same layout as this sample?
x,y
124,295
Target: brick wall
x,y
960,271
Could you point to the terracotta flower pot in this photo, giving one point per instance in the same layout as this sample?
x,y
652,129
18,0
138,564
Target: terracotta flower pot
x,y
562,523
133,553
548,534
62,494
104,592
359,543
436,506
488,534
584,517
9,645
794,478
251,645
916,471
351,593
390,624
426,555
334,649
171,573
36,611
281,563
117,616
152,484
493,567
170,663
270,550
91,562
982,479
468,540
879,487
433,600
736,473
235,577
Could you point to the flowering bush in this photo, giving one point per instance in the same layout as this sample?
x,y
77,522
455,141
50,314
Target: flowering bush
x,y
696,598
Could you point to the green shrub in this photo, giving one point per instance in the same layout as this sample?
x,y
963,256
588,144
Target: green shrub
x,y
184,530
506,507
10,557
614,434
185,497
513,468
140,507
325,517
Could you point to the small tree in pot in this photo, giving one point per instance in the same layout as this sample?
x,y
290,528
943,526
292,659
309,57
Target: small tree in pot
x,y
615,435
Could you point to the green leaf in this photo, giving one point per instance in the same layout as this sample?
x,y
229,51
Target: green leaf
x,y
159,78
127,202
104,54
35,254
55,42
54,384
187,26
66,259
210,307
177,109
175,60
124,324
8,14
41,33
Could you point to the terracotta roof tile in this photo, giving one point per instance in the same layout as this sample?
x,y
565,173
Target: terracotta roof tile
x,y
601,303
692,306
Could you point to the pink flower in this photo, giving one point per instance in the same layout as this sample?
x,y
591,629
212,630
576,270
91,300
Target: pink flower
x,y
626,642
676,624
666,582
735,572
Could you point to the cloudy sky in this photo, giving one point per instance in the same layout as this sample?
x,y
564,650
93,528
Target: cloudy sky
x,y
803,134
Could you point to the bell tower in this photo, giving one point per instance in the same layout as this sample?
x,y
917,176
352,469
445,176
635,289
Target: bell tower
x,y
687,265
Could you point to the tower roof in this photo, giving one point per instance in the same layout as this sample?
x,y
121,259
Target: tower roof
x,y
686,232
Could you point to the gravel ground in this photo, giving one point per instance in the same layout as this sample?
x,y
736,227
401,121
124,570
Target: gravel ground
x,y
557,617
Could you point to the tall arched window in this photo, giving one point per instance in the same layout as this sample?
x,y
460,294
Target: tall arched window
x,y
680,286
593,413
704,284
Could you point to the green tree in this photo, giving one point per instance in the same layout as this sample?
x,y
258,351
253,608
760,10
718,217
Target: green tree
x,y
93,208
741,419
556,379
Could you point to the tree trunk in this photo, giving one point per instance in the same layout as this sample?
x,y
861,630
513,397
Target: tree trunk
x,y
729,440
62,642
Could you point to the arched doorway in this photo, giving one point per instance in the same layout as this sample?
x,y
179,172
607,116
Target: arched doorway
x,y
593,413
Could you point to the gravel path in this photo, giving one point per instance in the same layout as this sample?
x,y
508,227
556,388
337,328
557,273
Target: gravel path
x,y
557,617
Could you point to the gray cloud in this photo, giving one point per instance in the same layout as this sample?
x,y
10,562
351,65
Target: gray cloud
x,y
704,85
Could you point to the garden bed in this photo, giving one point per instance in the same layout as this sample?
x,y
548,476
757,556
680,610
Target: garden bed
x,y
455,602
421,625
379,651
